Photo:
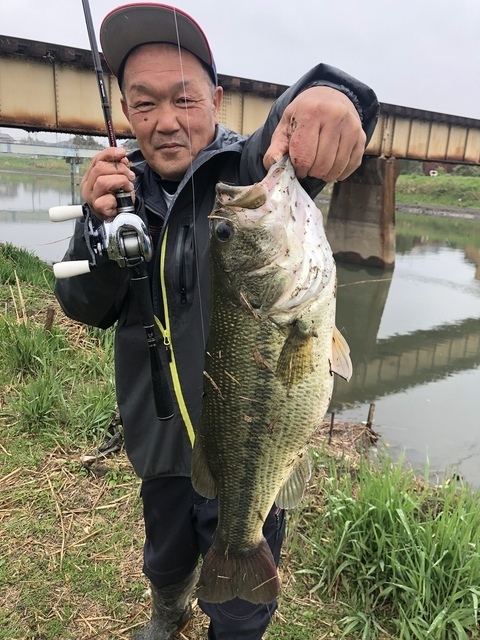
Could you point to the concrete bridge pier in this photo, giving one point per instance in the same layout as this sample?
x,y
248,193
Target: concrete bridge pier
x,y
361,218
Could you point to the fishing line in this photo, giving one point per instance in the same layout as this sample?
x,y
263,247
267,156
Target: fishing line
x,y
139,280
197,262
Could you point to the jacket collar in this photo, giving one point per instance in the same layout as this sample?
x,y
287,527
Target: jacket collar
x,y
147,179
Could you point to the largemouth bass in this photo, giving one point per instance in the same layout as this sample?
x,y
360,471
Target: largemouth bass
x,y
270,358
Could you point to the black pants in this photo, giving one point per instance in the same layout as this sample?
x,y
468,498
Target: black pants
x,y
179,526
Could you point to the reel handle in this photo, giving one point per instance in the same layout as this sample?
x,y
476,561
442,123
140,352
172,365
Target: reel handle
x,y
72,268
65,212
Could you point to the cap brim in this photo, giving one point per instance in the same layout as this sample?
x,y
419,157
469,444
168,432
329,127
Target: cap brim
x,y
131,25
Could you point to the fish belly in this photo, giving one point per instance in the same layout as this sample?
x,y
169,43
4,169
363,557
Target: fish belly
x,y
266,389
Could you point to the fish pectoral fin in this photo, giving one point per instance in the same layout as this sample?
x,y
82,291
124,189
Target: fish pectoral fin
x,y
293,488
341,363
295,361
202,480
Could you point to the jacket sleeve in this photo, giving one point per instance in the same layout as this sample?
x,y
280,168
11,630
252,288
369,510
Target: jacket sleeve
x,y
363,98
94,298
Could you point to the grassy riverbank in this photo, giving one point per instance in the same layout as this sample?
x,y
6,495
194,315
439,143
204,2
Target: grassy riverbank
x,y
373,552
55,166
446,189
450,190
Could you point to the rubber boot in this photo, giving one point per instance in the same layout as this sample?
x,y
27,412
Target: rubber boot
x,y
171,610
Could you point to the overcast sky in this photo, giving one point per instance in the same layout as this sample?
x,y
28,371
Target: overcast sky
x,y
415,53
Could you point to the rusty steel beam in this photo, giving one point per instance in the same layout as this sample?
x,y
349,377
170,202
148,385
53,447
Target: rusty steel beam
x,y
48,87
414,134
428,116
66,97
52,87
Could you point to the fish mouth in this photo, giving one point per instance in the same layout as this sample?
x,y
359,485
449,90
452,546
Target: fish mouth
x,y
242,197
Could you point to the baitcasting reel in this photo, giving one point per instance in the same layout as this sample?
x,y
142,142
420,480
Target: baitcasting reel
x,y
125,239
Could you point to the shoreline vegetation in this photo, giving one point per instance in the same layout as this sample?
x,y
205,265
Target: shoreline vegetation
x,y
373,552
445,194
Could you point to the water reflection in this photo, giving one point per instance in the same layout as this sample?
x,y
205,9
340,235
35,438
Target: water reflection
x,y
414,336
35,193
472,255
24,204
414,333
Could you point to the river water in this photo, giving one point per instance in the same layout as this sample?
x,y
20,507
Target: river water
x,y
414,333
24,205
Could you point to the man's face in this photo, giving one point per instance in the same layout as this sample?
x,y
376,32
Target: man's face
x,y
171,105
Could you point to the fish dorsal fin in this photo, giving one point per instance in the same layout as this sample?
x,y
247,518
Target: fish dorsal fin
x,y
293,488
341,363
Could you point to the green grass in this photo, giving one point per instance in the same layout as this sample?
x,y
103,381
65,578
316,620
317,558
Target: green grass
x,y
71,537
403,556
37,165
445,189
58,396
373,552
25,266
59,380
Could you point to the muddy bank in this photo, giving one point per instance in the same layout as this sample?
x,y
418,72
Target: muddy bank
x,y
437,210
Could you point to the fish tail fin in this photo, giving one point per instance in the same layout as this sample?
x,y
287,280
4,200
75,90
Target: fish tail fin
x,y
251,576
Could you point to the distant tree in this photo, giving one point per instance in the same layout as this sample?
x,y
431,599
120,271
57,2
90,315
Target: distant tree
x,y
130,145
411,167
467,170
85,142
29,140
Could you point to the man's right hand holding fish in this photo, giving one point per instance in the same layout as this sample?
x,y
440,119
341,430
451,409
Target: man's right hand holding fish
x,y
322,133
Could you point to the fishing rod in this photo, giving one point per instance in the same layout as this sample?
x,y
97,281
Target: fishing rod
x,y
139,279
125,239
97,63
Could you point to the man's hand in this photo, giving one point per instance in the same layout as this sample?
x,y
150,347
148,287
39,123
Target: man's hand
x,y
108,173
322,133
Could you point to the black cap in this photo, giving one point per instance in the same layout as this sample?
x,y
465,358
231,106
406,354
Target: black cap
x,y
131,25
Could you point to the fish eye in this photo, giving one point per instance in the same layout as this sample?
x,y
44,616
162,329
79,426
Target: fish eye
x,y
224,230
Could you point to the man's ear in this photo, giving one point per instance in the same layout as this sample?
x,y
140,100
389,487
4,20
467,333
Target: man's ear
x,y
217,101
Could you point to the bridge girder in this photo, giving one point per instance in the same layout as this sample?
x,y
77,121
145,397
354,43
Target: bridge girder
x,y
50,87
53,88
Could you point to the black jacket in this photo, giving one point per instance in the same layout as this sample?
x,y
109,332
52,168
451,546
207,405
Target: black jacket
x,y
180,279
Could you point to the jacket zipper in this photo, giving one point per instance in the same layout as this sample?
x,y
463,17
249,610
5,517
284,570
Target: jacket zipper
x,y
183,266
168,346
166,334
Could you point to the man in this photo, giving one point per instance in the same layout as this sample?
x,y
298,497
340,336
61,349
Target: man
x,y
171,98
